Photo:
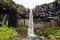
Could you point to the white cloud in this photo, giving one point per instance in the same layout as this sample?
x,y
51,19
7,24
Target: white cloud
x,y
32,3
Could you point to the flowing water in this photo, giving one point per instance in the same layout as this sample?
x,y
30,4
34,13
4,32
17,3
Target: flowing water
x,y
31,35
30,25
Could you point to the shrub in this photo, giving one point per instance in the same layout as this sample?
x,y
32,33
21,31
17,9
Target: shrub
x,y
48,31
7,33
38,32
25,29
22,30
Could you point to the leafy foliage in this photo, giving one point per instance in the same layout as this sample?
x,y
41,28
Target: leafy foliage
x,y
24,29
11,3
49,31
7,33
8,8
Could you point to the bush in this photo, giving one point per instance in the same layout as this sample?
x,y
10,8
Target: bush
x,y
48,31
22,30
38,32
7,33
25,29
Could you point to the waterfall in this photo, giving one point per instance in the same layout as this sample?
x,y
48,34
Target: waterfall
x,y
31,34
30,25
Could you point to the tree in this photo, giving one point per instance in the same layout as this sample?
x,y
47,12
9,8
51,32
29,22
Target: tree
x,y
8,7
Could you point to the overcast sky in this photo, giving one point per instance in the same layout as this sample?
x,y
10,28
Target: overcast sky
x,y
32,3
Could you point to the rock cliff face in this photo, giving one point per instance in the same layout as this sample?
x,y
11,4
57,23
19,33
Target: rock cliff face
x,y
47,10
23,15
46,15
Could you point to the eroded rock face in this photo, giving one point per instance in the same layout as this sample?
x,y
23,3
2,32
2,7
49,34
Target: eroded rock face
x,y
43,14
47,12
23,15
23,12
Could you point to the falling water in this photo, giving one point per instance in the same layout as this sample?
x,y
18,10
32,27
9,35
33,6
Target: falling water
x,y
31,35
30,25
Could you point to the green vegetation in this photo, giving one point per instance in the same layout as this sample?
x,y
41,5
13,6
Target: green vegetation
x,y
7,33
8,2
23,30
14,12
50,33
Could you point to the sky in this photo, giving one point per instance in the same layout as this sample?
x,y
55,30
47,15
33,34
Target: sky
x,y
32,3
